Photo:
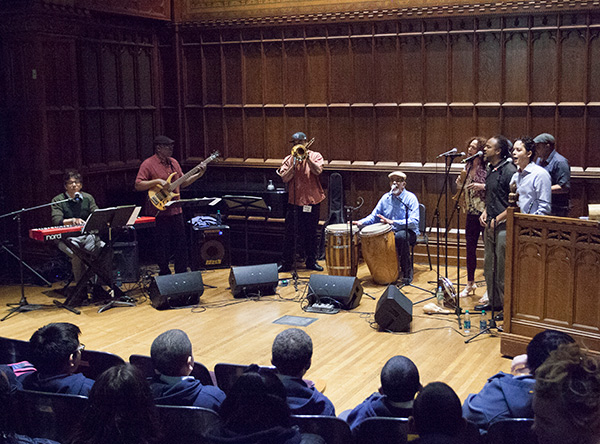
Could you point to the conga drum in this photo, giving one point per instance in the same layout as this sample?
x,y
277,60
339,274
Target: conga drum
x,y
337,252
379,250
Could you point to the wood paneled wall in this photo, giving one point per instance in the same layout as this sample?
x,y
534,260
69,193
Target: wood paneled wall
x,y
88,87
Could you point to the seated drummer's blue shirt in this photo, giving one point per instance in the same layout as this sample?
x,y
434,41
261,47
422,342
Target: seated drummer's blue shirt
x,y
394,208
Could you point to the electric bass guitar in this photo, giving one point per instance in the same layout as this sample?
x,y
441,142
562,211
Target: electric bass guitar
x,y
161,195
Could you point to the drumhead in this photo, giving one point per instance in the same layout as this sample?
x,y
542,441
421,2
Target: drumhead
x,y
340,229
375,229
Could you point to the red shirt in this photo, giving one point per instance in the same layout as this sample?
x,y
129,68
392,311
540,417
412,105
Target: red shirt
x,y
304,188
152,168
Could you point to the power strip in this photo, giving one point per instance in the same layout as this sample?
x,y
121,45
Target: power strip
x,y
322,308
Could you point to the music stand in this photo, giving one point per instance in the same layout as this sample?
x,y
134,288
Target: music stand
x,y
100,221
246,203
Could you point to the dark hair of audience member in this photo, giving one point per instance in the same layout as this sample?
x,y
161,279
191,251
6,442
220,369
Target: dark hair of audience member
x,y
400,379
570,381
256,402
437,410
170,352
6,409
121,410
52,345
292,352
542,344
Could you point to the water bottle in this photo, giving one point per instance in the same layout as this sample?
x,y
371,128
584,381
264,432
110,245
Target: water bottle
x,y
219,220
118,279
270,186
483,321
439,295
467,326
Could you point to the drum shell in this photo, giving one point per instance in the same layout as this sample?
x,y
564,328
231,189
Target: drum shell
x,y
379,252
337,251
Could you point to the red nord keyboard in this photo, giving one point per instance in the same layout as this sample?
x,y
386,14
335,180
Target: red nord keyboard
x,y
58,232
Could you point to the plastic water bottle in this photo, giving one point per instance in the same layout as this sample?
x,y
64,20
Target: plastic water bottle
x,y
219,220
483,321
118,280
467,326
439,295
270,186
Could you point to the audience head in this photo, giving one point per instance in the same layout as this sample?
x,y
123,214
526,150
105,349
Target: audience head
x,y
292,352
55,348
566,400
400,379
542,344
437,410
171,353
255,402
121,409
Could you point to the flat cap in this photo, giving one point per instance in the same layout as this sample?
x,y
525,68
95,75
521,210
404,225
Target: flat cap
x,y
544,138
163,140
399,174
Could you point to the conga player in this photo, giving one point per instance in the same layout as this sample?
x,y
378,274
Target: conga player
x,y
400,209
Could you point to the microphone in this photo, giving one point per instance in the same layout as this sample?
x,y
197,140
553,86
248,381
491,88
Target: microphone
x,y
78,197
448,153
478,154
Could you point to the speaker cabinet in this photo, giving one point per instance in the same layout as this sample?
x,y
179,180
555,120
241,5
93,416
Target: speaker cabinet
x,y
126,261
347,290
394,310
253,280
211,248
176,290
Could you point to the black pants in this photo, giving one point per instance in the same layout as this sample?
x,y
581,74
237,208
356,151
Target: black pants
x,y
306,231
404,239
170,240
472,231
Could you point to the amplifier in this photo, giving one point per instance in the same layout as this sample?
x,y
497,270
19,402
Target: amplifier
x,y
210,248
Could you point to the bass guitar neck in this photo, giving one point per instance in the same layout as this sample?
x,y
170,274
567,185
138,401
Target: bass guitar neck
x,y
161,196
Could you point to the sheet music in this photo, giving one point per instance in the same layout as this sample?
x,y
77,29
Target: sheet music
x,y
209,201
134,216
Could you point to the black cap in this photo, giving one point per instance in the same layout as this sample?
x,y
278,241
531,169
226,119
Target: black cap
x,y
163,140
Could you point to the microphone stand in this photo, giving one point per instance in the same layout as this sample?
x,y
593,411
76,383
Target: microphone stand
x,y
406,208
23,305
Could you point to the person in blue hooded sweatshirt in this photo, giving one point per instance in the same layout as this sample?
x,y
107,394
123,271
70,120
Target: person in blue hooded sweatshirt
x,y
510,396
291,355
173,361
399,385
55,352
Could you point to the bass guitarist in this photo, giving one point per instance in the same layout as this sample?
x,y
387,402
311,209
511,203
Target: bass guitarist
x,y
170,239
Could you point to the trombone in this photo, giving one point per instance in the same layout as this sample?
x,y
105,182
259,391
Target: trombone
x,y
299,151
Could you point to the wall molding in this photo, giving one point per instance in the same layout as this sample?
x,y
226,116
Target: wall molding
x,y
218,13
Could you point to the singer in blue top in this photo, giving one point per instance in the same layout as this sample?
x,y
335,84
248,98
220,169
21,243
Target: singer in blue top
x,y
399,208
534,185
75,211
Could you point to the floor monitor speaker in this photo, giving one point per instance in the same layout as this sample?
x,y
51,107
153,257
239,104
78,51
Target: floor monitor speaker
x,y
347,290
253,280
394,310
176,290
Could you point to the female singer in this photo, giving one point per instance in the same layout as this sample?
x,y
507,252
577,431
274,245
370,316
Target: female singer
x,y
474,174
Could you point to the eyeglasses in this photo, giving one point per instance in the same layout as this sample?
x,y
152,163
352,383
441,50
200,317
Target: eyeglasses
x,y
73,182
81,348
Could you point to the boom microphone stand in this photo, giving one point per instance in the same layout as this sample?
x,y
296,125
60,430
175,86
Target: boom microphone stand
x,y
23,305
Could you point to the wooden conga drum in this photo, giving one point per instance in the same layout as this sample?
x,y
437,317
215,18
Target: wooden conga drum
x,y
379,250
337,252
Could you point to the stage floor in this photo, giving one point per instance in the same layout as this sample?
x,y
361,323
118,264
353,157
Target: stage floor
x,y
348,351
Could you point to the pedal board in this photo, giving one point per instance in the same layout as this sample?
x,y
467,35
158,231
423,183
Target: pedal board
x,y
322,308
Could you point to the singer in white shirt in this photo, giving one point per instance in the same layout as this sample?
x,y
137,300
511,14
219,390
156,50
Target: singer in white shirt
x,y
75,211
534,184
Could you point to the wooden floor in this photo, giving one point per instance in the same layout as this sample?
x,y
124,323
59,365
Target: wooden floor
x,y
348,351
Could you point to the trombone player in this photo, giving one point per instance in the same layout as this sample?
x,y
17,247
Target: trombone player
x,y
300,170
